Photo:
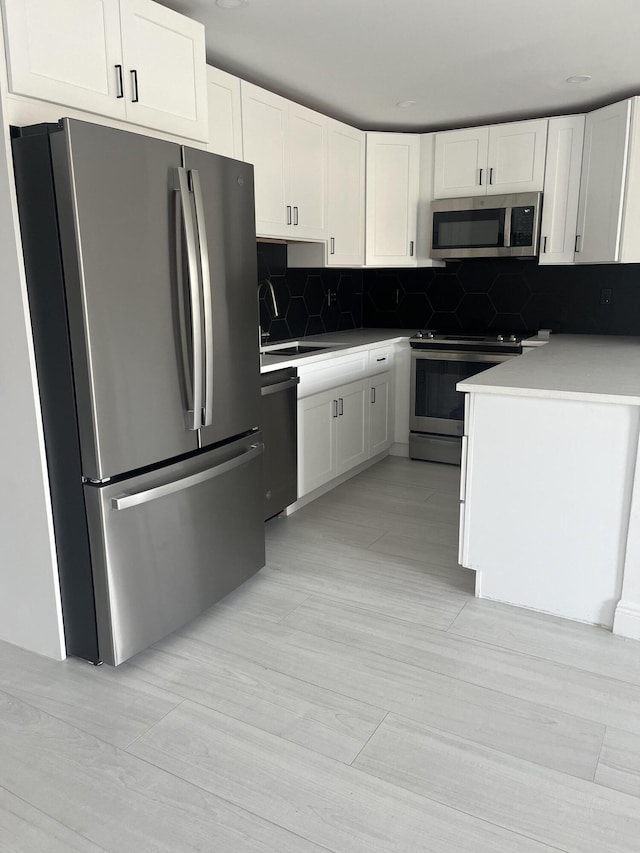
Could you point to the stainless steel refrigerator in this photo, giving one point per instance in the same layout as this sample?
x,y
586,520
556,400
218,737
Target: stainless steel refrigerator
x,y
141,270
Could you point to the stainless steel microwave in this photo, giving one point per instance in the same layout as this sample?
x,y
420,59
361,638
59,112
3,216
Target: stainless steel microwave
x,y
488,226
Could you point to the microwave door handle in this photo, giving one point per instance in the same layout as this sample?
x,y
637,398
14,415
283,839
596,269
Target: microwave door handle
x,y
507,226
203,244
194,404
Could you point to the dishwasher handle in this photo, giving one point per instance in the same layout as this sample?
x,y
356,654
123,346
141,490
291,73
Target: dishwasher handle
x,y
279,386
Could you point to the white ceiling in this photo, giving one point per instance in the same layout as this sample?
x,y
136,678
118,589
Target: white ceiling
x,y
461,61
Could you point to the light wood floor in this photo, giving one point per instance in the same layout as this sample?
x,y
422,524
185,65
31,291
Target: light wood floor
x,y
353,696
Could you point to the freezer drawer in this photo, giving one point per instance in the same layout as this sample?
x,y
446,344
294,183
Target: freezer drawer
x,y
167,544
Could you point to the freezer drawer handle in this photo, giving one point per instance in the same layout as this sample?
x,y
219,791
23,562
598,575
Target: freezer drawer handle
x,y
201,229
128,500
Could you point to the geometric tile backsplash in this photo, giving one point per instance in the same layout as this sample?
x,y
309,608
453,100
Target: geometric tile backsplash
x,y
479,294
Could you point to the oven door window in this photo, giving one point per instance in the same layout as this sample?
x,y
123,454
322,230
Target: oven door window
x,y
468,229
435,390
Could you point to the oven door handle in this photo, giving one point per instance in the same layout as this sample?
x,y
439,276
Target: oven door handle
x,y
460,355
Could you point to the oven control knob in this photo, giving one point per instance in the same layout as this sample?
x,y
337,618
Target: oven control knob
x,y
513,339
500,338
429,334
418,334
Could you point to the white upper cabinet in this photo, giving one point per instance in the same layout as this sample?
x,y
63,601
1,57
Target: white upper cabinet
x,y
461,163
602,188
164,57
345,195
225,116
128,59
287,145
501,158
561,190
393,184
68,53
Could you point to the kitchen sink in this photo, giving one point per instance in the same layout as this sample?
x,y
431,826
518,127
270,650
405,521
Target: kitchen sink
x,y
296,349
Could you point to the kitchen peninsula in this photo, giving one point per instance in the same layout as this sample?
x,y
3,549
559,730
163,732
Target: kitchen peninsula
x,y
550,487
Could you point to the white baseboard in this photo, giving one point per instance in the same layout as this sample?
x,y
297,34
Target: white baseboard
x,y
399,449
326,487
626,621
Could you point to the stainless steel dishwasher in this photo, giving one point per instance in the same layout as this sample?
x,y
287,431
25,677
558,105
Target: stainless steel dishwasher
x,y
280,437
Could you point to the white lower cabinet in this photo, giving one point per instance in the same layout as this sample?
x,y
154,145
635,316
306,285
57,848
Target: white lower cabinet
x,y
333,434
380,411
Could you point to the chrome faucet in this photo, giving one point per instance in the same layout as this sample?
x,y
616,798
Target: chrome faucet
x,y
267,281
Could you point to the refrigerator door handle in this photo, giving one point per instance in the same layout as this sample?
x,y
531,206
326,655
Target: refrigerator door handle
x,y
201,227
125,501
194,414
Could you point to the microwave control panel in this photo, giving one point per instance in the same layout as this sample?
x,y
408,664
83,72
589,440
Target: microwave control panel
x,y
522,225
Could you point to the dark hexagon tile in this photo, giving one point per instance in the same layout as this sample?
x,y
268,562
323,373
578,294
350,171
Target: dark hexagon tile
x,y
314,294
418,280
349,292
509,293
263,266
297,316
346,321
475,311
331,317
279,331
444,321
445,292
540,312
315,326
477,274
415,312
275,257
385,294
508,323
265,316
296,280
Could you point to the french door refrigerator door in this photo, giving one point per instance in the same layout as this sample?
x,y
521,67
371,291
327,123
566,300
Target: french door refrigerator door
x,y
168,544
117,215
225,223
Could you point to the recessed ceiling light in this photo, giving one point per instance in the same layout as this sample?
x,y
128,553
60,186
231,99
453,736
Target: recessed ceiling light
x,y
404,104
579,78
231,4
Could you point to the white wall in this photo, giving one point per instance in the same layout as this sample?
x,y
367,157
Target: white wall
x,y
30,614
627,618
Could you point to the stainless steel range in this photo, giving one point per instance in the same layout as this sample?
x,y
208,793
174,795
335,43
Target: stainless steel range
x,y
439,360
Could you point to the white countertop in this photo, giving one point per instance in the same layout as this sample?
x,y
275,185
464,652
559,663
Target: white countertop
x,y
351,340
594,368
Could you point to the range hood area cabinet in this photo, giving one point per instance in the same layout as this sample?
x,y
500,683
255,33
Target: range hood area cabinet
x,y
132,60
609,208
491,160
287,145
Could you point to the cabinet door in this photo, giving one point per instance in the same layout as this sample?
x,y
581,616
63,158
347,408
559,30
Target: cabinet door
x,y
516,157
345,195
380,421
68,53
460,164
264,131
353,425
561,189
307,193
317,416
225,122
604,168
392,188
165,69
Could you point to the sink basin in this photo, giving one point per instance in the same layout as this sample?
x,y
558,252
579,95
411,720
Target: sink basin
x,y
296,349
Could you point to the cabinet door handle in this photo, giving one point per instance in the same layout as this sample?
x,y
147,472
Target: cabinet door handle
x,y
373,395
411,248
332,247
383,358
480,181
491,175
544,246
578,243
340,406
119,82
295,215
136,92
335,408
288,214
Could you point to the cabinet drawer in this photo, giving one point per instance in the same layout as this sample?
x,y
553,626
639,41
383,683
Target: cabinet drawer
x,y
380,359
323,375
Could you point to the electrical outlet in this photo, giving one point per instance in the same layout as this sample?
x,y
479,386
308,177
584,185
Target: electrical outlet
x,y
332,297
606,296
